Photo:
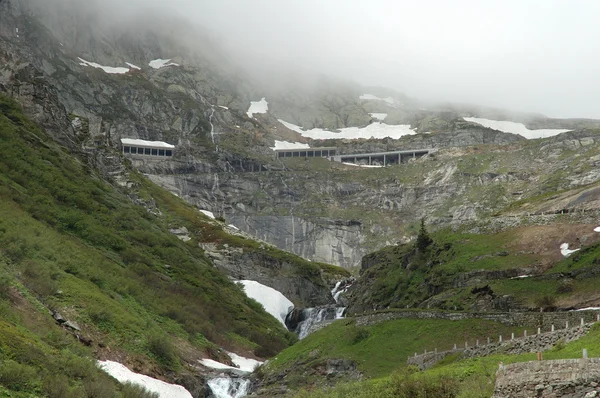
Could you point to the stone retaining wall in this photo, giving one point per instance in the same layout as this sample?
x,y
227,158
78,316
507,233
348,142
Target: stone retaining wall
x,y
534,320
560,378
534,342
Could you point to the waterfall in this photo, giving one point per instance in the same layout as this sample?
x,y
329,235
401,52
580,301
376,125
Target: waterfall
x,y
340,288
228,387
335,288
212,126
312,317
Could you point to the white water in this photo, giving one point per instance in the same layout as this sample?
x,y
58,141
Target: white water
x,y
227,387
335,288
212,126
314,316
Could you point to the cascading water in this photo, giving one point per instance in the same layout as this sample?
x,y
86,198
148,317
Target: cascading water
x,y
228,387
311,317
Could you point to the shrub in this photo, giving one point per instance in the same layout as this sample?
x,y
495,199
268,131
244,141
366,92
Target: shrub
x,y
358,334
405,386
565,286
131,390
16,376
163,350
95,388
545,302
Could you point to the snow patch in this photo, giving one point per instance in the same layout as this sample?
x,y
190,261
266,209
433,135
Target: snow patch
x,y
564,250
132,66
261,106
272,300
588,309
234,227
108,69
371,97
244,364
378,116
361,165
373,130
123,375
209,363
161,63
224,107
209,214
515,128
289,145
153,144
597,229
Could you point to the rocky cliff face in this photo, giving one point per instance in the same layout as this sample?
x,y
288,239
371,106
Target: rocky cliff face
x,y
319,210
330,241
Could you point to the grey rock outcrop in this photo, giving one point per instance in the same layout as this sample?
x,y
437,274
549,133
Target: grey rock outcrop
x,y
329,241
282,275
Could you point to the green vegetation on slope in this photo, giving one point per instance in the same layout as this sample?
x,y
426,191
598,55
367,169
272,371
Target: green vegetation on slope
x,y
397,276
384,347
467,378
70,242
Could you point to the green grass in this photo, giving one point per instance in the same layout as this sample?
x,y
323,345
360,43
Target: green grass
x,y
383,348
400,275
474,377
72,243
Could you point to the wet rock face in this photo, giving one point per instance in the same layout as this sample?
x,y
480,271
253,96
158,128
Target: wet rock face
x,y
325,240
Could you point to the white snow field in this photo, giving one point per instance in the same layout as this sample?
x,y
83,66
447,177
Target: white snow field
x,y
515,128
564,250
132,66
261,106
108,69
378,116
209,214
274,302
372,97
289,145
362,165
161,63
597,229
123,375
244,364
373,130
156,144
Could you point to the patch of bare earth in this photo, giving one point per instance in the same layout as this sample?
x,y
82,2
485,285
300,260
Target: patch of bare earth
x,y
545,240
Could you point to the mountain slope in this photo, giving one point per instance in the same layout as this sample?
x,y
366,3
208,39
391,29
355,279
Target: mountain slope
x,y
73,245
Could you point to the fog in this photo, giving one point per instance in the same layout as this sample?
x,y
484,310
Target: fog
x,y
523,55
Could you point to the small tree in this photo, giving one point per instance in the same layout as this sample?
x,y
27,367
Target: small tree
x,y
423,239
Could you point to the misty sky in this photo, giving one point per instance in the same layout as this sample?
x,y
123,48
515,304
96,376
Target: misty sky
x,y
523,55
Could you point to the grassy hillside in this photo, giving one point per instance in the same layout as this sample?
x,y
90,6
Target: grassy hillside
x,y
378,350
469,378
451,271
71,243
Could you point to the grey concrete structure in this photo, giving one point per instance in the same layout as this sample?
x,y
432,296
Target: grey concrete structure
x,y
318,152
382,158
